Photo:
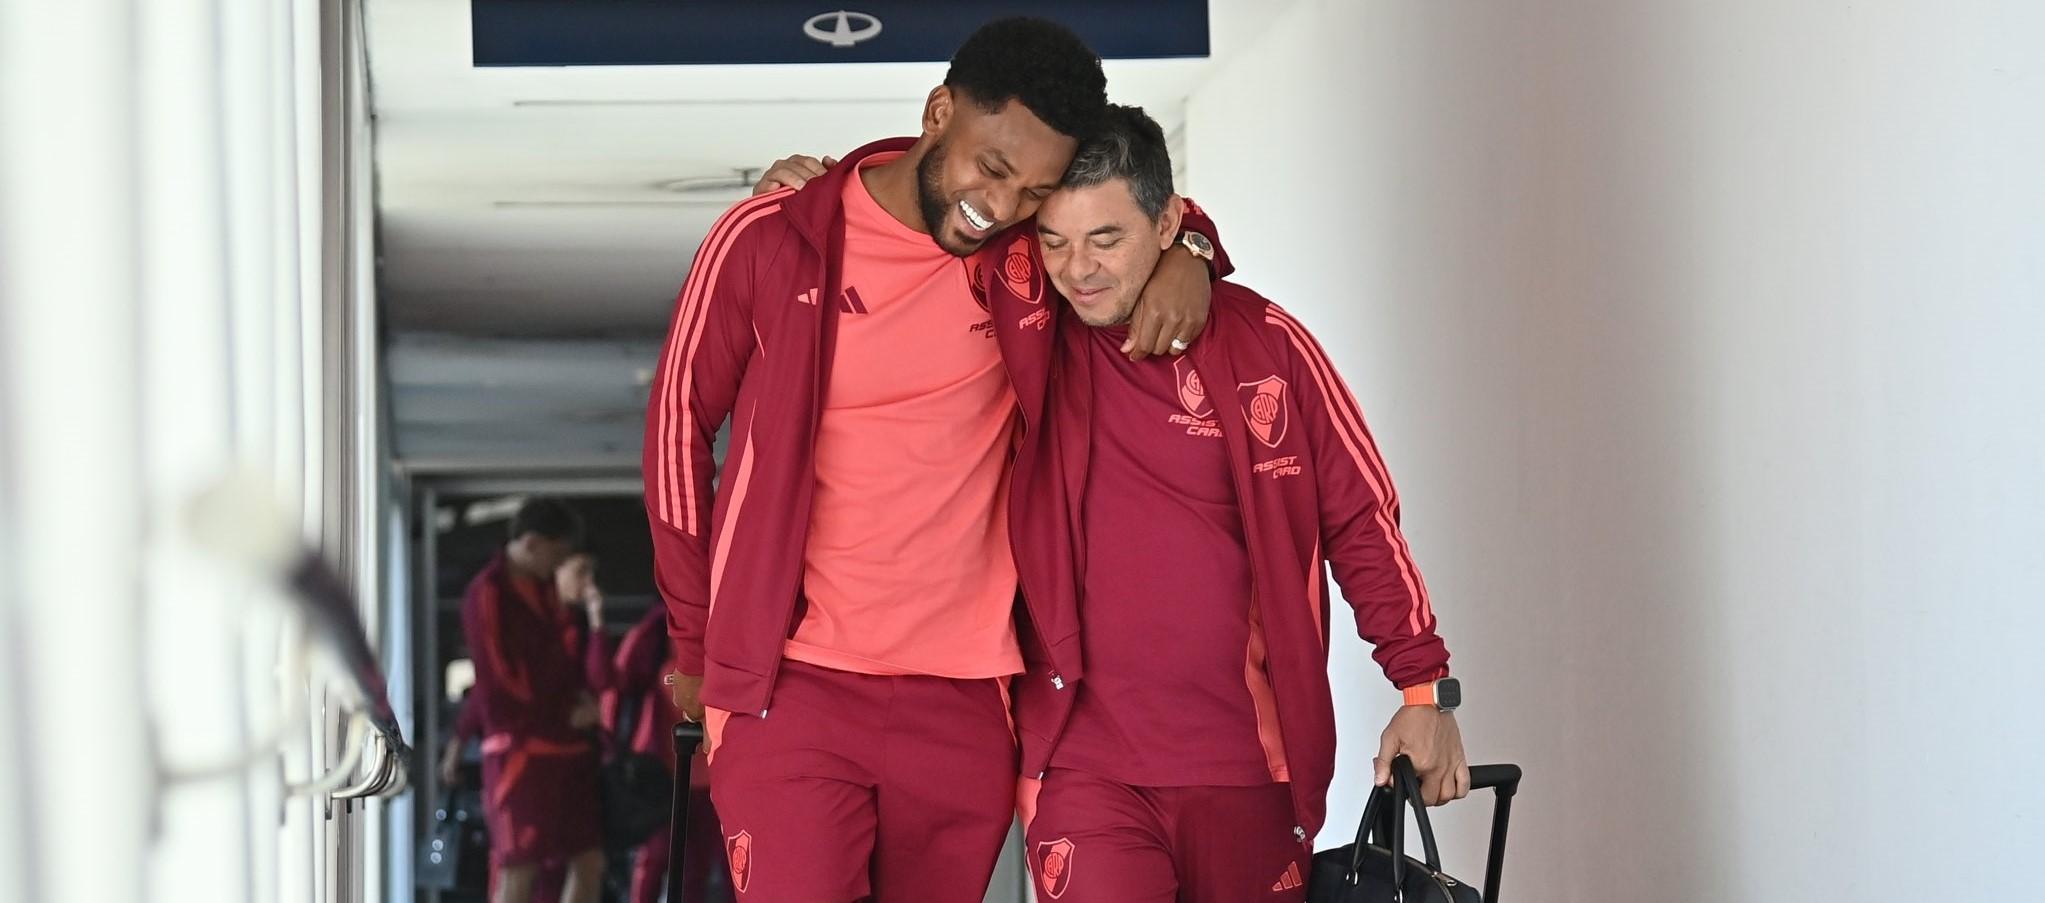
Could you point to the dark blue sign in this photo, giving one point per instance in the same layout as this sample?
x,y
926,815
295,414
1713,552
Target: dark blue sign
x,y
682,32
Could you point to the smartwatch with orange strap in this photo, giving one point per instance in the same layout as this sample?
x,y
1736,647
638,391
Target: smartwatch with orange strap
x,y
1445,694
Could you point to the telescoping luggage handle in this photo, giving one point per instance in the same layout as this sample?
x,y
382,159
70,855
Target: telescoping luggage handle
x,y
688,736
1504,780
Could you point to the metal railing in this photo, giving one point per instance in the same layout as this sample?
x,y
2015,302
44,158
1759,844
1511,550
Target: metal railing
x,y
330,610
239,521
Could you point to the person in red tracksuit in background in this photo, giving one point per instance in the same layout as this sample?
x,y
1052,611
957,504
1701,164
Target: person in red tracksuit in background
x,y
574,580
468,725
534,701
1192,763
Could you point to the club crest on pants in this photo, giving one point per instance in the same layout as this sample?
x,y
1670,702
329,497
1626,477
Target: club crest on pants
x,y
738,850
1264,409
1054,866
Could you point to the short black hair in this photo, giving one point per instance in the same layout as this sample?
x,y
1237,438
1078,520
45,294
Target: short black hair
x,y
1131,146
549,517
1038,62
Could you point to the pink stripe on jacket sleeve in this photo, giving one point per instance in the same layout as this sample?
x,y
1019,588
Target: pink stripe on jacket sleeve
x,y
1362,530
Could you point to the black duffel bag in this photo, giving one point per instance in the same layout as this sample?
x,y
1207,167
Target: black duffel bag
x,y
1376,869
636,788
454,855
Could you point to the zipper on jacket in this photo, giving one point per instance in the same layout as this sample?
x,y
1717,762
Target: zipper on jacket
x,y
787,629
1022,582
1029,608
825,318
1237,467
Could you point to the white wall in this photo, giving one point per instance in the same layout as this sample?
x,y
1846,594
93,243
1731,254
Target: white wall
x,y
1703,338
183,291
69,428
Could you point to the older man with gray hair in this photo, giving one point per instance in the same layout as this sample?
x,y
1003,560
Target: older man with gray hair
x,y
1191,759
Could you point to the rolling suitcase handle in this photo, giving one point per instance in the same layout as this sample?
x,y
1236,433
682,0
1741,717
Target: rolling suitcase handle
x,y
1504,781
688,736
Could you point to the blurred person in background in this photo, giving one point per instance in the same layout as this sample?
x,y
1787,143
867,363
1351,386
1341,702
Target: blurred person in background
x,y
535,706
574,584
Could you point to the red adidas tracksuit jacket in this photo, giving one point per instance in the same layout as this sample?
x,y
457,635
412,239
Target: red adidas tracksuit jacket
x,y
1313,493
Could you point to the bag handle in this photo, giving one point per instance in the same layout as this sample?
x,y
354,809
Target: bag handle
x,y
1385,803
1371,810
1402,771
629,706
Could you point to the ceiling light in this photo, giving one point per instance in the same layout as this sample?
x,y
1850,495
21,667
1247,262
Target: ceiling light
x,y
723,102
648,202
688,191
740,179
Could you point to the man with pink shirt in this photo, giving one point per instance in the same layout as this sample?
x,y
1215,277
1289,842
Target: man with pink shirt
x,y
881,343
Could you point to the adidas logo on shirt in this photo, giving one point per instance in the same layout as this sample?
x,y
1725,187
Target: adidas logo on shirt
x,y
848,300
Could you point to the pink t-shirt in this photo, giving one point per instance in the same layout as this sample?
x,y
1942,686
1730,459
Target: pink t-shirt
x,y
907,568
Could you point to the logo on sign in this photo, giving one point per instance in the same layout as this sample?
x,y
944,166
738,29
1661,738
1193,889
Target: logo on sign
x,y
841,28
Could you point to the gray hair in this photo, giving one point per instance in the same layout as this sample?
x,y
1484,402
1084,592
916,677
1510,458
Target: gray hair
x,y
1129,146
